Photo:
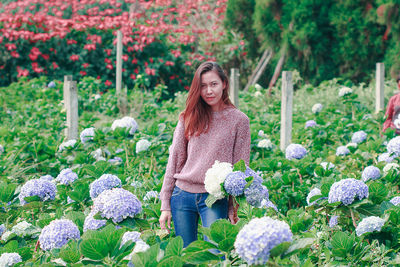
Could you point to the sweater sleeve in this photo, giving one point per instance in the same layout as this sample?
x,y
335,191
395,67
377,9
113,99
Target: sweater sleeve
x,y
176,161
241,148
388,114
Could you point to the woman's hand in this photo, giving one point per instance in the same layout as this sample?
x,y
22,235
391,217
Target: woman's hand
x,y
165,217
233,218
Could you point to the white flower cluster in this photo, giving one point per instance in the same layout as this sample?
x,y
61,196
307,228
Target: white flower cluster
x,y
1,149
9,259
25,229
142,145
369,225
126,122
313,192
215,176
67,144
87,135
317,108
345,91
265,143
390,166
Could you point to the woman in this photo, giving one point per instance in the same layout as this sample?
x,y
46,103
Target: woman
x,y
210,128
392,113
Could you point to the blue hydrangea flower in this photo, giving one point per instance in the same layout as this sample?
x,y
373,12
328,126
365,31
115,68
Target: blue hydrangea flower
x,y
393,147
327,165
87,135
370,173
256,239
51,84
395,201
44,189
369,225
115,160
119,150
47,177
117,204
133,236
255,193
105,182
57,234
234,183
311,123
342,151
66,176
333,221
91,223
256,175
347,190
136,184
295,151
266,203
359,137
9,259
151,195
313,192
126,122
386,157
2,229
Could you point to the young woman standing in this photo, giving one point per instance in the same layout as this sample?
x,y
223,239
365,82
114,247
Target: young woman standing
x,y
210,128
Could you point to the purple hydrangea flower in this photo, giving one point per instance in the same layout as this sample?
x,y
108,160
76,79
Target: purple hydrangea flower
x,y
255,193
313,192
393,147
395,201
256,239
133,236
311,123
44,189
371,173
359,137
347,190
295,151
117,204
327,165
256,175
386,157
266,203
115,160
2,229
58,233
234,183
151,195
126,122
47,177
9,259
66,176
342,151
91,223
369,225
105,182
333,221
87,135
51,84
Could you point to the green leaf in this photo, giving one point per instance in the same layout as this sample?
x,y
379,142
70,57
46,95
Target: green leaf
x,y
77,217
32,199
226,244
70,253
172,261
280,249
222,229
112,236
210,200
11,246
239,166
94,248
7,191
377,192
80,192
198,253
174,247
147,258
299,245
341,244
368,209
385,206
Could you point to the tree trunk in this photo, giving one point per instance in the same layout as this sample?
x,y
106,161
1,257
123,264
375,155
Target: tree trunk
x,y
258,71
277,71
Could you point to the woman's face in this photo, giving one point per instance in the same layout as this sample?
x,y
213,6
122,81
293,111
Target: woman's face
x,y
211,90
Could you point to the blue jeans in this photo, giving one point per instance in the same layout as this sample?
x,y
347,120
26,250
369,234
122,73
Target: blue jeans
x,y
186,208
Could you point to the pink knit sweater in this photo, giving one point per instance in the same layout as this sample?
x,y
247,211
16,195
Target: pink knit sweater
x,y
227,140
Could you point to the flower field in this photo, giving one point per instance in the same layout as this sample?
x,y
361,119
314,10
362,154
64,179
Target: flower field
x,y
331,196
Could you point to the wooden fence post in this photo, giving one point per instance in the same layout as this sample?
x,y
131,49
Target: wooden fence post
x,y
286,109
71,105
121,95
67,79
234,86
379,88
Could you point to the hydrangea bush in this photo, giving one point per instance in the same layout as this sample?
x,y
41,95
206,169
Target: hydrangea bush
x,y
369,225
127,123
347,190
370,173
58,233
295,151
10,259
105,182
66,176
42,188
87,135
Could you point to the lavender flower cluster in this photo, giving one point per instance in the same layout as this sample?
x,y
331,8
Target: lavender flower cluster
x,y
105,182
313,192
347,190
117,204
255,193
386,157
126,122
333,221
266,203
2,229
91,223
395,201
151,195
295,151
234,183
134,236
9,259
87,135
393,146
369,225
359,137
256,239
42,188
66,176
58,233
310,123
66,145
342,151
370,173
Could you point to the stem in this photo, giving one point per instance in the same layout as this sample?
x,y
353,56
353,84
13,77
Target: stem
x,y
353,218
300,176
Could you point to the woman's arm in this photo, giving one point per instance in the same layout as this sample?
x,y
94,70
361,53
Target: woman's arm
x,y
388,114
241,147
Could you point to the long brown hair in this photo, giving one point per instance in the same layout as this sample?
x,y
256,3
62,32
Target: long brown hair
x,y
197,114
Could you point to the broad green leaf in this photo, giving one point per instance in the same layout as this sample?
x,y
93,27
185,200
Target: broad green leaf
x,y
341,244
172,261
377,192
280,249
95,249
226,244
222,229
70,252
7,191
239,166
174,247
147,258
77,217
299,245
369,209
